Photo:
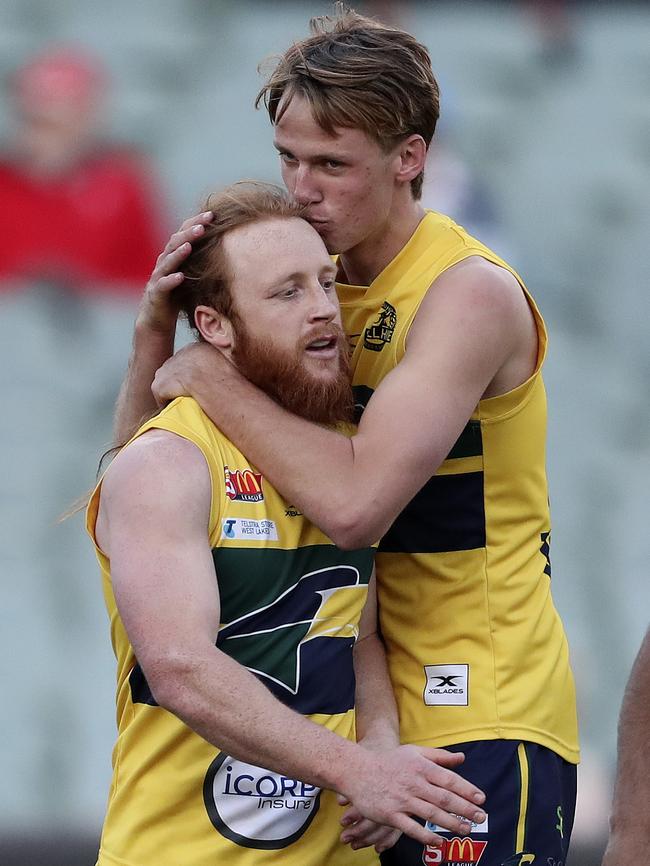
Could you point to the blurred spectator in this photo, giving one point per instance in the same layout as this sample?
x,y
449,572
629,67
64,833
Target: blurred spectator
x,y
450,187
74,211
557,38
79,234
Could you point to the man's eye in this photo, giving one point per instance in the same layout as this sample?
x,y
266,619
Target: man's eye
x,y
286,157
333,163
328,285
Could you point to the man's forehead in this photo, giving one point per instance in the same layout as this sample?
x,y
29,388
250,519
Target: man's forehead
x,y
296,246
297,126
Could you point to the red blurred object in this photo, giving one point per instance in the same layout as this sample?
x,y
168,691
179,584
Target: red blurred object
x,y
94,225
60,75
74,210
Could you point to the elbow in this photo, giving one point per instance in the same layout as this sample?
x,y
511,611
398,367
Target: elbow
x,y
354,528
169,676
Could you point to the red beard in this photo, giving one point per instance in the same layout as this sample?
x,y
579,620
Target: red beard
x,y
285,378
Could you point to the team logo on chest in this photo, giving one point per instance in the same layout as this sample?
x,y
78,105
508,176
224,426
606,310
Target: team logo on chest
x,y
381,332
243,485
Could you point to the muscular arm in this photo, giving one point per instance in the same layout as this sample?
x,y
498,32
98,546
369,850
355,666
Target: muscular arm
x,y
473,326
630,820
153,525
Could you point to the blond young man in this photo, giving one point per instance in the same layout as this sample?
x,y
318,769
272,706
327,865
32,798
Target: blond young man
x,y
234,620
447,466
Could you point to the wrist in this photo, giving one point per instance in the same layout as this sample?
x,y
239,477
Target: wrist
x,y
380,740
351,764
160,324
146,334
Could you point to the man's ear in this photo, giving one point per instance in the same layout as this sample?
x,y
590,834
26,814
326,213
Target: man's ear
x,y
214,327
412,155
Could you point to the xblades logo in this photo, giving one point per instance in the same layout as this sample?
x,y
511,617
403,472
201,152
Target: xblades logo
x,y
447,685
447,681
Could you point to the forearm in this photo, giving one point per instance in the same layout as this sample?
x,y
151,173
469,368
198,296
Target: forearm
x,y
376,710
206,693
327,476
135,402
630,820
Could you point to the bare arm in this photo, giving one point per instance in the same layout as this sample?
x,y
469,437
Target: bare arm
x,y
155,328
378,725
153,524
630,821
470,327
376,709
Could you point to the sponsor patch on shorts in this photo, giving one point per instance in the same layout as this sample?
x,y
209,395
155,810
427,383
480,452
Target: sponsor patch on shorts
x,y
455,852
446,685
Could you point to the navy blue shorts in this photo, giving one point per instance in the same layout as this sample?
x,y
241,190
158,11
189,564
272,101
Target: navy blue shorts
x,y
531,795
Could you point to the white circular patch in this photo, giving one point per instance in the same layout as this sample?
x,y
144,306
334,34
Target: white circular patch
x,y
257,808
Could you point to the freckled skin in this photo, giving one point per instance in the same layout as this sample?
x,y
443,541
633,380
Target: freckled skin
x,y
349,183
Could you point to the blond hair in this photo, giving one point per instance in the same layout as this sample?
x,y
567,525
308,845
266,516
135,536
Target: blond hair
x,y
356,72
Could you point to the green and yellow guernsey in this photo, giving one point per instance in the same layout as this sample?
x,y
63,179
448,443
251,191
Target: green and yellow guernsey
x,y
475,647
290,608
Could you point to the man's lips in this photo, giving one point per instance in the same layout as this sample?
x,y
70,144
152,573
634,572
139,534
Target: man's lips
x,y
317,223
324,346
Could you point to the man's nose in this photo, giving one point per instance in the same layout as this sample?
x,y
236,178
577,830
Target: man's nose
x,y
304,188
324,306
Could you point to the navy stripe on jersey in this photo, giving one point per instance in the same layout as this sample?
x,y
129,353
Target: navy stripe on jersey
x,y
447,514
546,551
362,395
468,444
140,691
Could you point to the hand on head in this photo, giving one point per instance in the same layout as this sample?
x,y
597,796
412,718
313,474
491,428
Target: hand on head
x,y
157,312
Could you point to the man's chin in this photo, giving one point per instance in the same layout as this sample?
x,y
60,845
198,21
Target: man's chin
x,y
321,369
316,388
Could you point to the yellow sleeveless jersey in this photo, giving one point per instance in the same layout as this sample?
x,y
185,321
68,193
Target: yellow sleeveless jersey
x,y
475,646
290,607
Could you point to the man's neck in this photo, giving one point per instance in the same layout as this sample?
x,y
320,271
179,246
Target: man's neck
x,y
362,264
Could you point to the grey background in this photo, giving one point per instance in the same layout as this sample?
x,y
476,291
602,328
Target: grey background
x,y
550,141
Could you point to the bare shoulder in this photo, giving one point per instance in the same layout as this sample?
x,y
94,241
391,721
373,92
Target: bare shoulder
x,y
157,455
478,314
474,295
476,281
158,479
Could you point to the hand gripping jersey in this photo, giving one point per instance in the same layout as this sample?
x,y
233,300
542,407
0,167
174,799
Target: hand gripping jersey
x,y
290,607
476,649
